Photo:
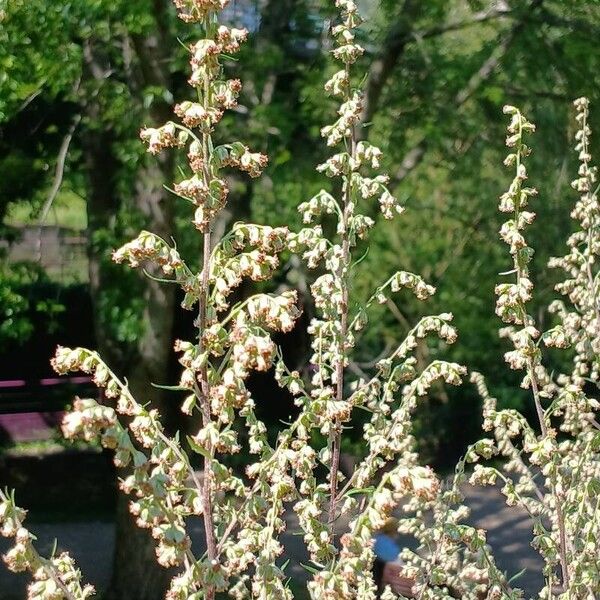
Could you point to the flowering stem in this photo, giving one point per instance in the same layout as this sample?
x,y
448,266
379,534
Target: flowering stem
x,y
207,512
530,364
335,435
47,566
520,275
557,498
591,225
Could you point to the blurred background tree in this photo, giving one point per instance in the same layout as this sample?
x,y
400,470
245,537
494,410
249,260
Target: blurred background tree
x,y
78,79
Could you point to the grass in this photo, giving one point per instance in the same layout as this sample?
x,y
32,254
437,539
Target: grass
x,y
68,211
52,445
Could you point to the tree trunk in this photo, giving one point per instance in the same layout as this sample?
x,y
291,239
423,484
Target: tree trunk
x,y
136,573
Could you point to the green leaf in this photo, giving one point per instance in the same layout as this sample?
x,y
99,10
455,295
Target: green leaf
x,y
356,491
310,569
171,388
197,447
515,577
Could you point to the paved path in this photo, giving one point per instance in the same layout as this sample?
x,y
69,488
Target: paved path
x,y
91,544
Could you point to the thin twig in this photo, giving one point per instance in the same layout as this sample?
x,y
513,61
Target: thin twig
x,y
56,185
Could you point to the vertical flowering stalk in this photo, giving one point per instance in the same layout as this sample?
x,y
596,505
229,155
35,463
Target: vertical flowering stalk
x,y
207,191
332,291
580,326
232,340
511,306
344,130
565,496
392,393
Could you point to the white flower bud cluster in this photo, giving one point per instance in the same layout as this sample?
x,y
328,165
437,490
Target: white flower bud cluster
x,y
209,198
151,248
230,264
456,563
349,112
404,279
311,243
321,203
205,188
422,290
55,578
193,114
160,480
452,559
205,63
511,304
278,313
347,50
239,156
577,473
163,137
338,84
193,11
512,298
248,346
230,39
451,373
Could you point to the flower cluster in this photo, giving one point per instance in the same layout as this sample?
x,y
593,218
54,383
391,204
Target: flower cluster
x,y
54,578
232,260
148,248
191,11
163,482
458,562
159,138
206,188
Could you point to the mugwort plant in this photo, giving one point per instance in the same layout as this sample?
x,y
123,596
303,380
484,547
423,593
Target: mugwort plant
x,y
552,469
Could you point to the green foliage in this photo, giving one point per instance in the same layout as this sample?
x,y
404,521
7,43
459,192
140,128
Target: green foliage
x,y
450,192
20,303
14,307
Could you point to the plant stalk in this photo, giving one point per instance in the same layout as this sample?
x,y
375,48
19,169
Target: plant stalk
x,y
207,512
335,436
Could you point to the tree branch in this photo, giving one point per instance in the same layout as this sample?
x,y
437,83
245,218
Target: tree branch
x,y
58,179
415,155
383,66
480,17
586,27
397,39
